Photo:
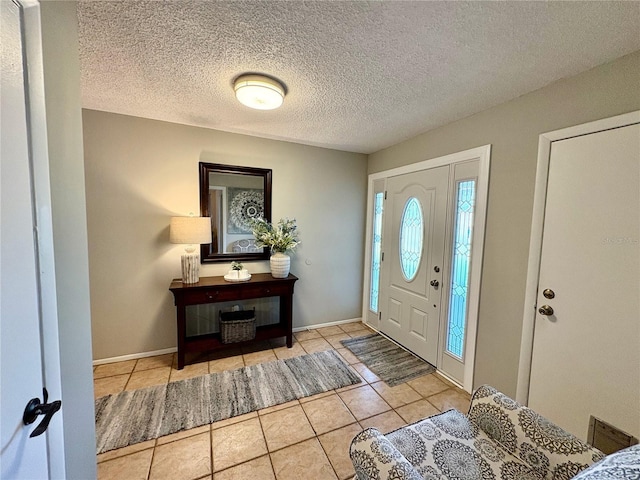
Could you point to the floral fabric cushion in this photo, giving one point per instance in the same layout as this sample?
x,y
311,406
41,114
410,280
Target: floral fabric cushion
x,y
624,464
444,446
525,434
375,457
449,446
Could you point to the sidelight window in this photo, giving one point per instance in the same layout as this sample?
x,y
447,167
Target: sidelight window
x,y
376,252
461,267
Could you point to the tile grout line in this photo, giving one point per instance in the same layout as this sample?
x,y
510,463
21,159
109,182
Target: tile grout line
x,y
317,436
153,454
266,444
211,450
129,379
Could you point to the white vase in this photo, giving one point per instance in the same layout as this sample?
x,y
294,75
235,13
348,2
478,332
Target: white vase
x,y
280,265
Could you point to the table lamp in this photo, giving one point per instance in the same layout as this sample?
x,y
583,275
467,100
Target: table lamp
x,y
190,231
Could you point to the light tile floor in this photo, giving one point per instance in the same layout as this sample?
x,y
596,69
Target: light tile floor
x,y
306,438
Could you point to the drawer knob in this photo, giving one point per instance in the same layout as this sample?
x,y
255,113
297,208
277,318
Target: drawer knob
x,y
211,295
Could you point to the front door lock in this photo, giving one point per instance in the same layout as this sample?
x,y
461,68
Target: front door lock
x,y
35,407
434,283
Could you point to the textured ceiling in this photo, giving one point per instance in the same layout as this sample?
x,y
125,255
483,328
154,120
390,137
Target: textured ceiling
x,y
360,76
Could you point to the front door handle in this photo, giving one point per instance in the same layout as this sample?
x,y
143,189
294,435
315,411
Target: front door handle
x,y
35,407
545,310
434,283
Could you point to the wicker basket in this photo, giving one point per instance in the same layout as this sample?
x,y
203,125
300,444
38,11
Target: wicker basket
x,y
237,326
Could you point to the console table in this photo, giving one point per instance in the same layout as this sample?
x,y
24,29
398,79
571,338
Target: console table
x,y
217,289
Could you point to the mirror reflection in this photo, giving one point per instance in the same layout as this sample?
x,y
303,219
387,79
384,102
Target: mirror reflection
x,y
232,196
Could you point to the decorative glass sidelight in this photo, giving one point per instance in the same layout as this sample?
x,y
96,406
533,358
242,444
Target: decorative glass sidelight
x,y
461,267
376,251
411,238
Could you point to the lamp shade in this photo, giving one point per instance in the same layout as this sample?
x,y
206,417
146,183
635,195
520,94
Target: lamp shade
x,y
190,230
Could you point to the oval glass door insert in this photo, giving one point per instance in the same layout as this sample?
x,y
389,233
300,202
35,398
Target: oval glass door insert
x,y
411,238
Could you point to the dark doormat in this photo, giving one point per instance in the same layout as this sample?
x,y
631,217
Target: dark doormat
x,y
393,364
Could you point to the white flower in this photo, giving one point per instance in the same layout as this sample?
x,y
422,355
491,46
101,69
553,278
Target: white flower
x,y
281,238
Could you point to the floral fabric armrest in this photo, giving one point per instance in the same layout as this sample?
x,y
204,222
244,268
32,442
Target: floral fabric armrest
x,y
541,444
374,456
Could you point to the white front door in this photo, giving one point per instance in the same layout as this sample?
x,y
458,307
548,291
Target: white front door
x,y
23,271
412,269
586,349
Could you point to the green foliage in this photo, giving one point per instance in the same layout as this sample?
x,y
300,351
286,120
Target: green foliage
x,y
280,238
236,265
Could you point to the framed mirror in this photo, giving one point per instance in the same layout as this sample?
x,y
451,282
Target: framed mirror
x,y
232,196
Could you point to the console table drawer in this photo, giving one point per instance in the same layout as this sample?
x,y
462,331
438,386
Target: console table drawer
x,y
197,297
224,294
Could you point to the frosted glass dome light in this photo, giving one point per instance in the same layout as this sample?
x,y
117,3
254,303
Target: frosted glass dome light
x,y
259,92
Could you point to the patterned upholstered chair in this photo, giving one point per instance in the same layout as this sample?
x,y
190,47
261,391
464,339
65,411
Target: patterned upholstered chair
x,y
497,439
623,464
245,245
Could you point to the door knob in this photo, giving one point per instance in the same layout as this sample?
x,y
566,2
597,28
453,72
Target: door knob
x,y
545,310
434,283
35,407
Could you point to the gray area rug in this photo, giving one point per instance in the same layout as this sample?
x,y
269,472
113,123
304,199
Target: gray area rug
x,y
393,364
136,416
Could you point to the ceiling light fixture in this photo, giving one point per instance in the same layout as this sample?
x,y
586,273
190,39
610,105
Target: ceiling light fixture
x,y
259,92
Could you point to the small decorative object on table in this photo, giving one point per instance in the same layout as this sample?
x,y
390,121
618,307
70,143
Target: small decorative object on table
x,y
237,326
280,239
237,273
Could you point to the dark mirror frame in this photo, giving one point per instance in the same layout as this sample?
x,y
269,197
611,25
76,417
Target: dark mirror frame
x,y
206,254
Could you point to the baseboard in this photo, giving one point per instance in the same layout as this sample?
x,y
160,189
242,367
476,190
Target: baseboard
x,y
135,356
451,380
375,329
328,324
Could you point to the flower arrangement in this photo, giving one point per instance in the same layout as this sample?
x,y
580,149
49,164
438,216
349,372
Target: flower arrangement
x,y
236,266
280,238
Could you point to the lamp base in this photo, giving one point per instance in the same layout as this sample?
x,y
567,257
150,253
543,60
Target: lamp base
x,y
190,268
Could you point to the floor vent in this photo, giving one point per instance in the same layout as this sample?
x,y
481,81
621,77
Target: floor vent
x,y
607,438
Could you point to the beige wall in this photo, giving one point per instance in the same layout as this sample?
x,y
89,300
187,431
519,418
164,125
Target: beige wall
x,y
140,172
513,129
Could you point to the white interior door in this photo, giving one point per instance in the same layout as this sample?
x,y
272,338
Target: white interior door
x,y
412,269
24,268
586,348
